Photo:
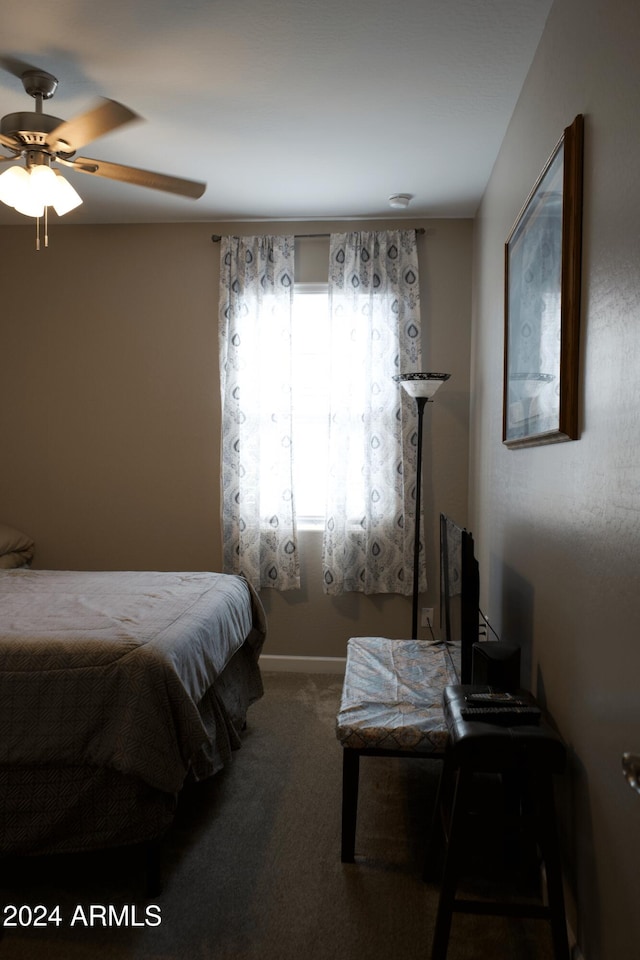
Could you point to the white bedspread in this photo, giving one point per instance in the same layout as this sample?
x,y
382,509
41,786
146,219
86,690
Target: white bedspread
x,y
108,668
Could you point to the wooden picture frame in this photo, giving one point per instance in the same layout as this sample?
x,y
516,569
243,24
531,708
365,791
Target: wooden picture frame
x,y
542,303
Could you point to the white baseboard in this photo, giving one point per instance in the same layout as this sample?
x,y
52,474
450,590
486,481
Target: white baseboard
x,y
271,661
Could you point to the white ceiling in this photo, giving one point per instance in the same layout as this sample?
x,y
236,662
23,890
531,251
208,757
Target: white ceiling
x,y
289,109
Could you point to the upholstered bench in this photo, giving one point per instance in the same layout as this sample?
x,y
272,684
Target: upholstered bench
x,y
391,706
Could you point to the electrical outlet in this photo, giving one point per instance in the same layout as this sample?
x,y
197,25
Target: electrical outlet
x,y
427,616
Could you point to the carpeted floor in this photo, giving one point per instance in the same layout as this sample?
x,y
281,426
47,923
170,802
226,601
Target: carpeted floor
x,y
252,865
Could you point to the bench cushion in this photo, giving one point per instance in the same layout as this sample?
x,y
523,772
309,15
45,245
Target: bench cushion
x,y
392,695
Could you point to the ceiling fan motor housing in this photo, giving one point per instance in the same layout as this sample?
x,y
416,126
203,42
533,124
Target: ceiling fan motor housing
x,y
30,128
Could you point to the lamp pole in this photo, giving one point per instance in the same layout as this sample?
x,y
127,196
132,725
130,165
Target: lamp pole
x,y
420,404
420,386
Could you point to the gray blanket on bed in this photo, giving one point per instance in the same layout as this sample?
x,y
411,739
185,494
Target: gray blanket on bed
x,y
109,668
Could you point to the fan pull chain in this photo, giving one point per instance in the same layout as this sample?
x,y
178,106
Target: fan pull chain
x,y
46,229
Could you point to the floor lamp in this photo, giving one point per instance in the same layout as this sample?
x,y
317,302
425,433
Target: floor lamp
x,y
420,386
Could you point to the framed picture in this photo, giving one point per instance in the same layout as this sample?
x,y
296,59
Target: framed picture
x,y
542,303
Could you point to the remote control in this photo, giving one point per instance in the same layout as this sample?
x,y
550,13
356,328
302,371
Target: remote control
x,y
505,715
498,698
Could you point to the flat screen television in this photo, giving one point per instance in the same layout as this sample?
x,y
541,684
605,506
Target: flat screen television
x,y
459,593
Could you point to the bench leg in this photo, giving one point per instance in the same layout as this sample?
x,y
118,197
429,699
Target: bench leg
x,y
350,772
454,844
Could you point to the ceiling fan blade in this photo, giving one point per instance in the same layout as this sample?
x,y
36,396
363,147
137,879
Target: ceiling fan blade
x,y
10,142
141,178
72,134
15,65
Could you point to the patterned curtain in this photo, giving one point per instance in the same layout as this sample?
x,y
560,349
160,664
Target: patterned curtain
x,y
374,299
255,309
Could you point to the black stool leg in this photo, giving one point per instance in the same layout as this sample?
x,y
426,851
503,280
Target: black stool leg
x,y
350,773
432,866
550,848
450,874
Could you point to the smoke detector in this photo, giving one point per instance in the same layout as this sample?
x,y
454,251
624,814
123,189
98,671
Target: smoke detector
x,y
399,201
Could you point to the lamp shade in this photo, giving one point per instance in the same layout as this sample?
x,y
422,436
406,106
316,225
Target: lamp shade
x,y
421,384
14,187
66,197
42,184
11,184
27,200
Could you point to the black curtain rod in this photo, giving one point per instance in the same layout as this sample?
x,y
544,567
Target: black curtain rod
x,y
216,237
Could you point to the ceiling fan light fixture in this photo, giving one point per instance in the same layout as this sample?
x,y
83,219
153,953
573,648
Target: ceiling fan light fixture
x,y
30,191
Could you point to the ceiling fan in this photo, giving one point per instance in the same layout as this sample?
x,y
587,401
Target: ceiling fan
x,y
43,140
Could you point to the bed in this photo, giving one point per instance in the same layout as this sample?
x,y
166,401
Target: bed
x,y
115,689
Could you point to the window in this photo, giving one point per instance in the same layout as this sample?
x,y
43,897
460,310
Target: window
x,y
310,385
329,376
313,368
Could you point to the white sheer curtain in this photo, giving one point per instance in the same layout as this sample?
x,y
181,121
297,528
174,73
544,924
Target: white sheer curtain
x,y
255,310
374,298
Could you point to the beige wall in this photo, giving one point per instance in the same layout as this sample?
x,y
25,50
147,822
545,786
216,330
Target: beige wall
x,y
558,527
110,396
110,412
